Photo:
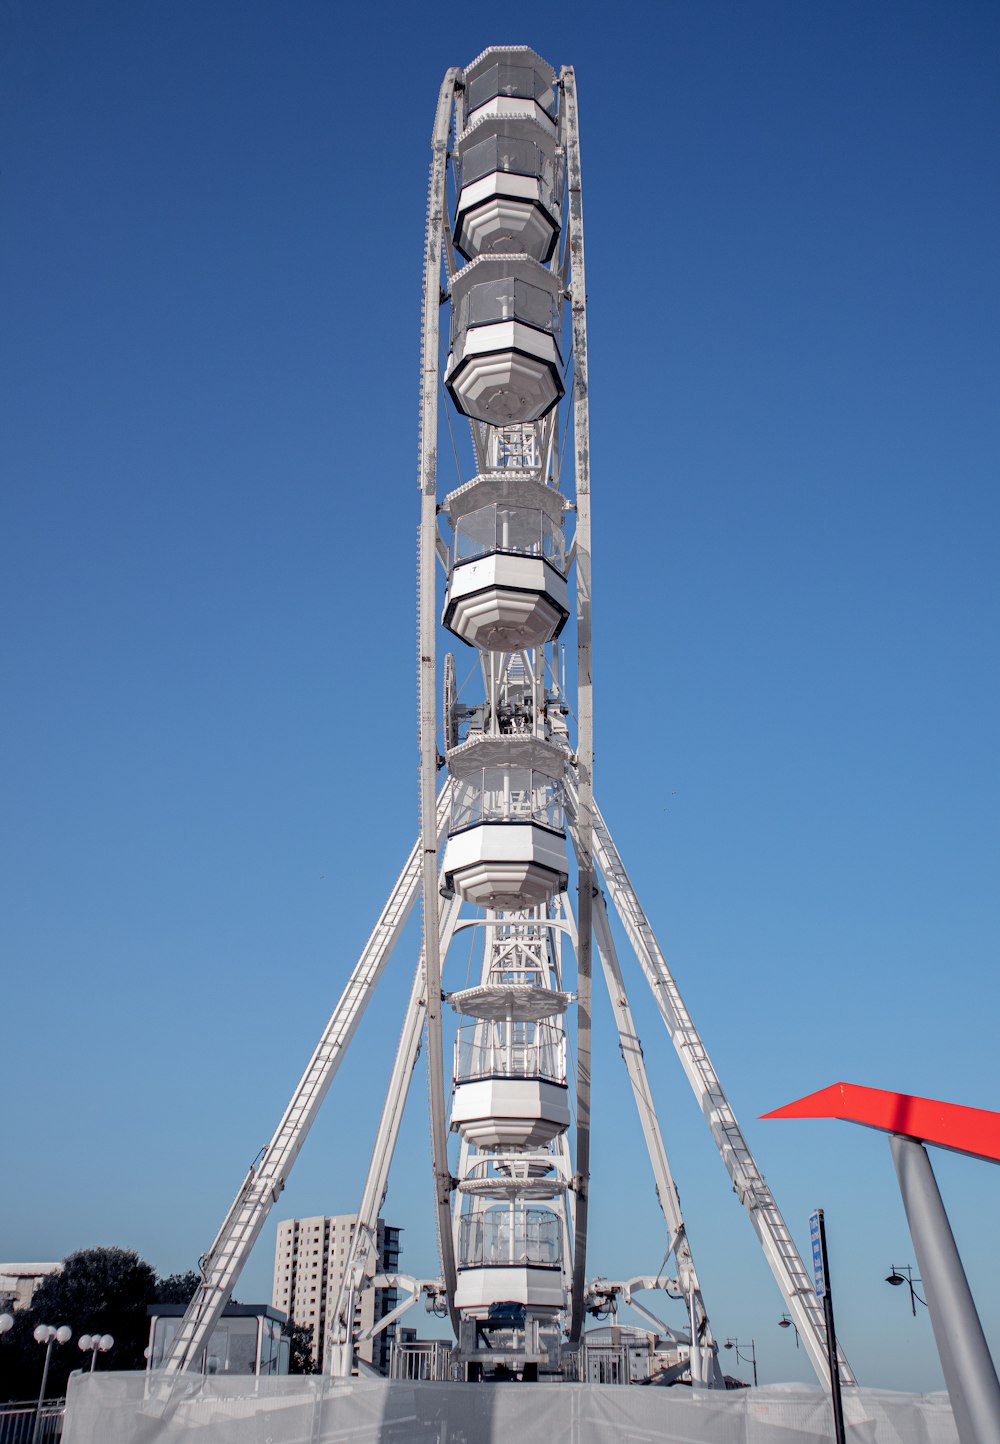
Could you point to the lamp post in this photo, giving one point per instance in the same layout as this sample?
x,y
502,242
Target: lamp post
x,y
47,1335
785,1323
750,1358
95,1344
903,1274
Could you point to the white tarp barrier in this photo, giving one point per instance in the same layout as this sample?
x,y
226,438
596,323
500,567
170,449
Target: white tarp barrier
x,y
135,1409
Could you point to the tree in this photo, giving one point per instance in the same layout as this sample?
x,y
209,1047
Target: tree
x,y
177,1288
20,1360
97,1291
300,1354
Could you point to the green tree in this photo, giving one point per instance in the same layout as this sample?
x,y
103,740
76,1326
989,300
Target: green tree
x,y
177,1288
300,1354
97,1291
20,1360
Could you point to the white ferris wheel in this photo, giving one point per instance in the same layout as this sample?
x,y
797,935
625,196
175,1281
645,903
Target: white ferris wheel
x,y
512,846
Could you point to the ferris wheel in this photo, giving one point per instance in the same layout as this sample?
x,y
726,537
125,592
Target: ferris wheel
x,y
512,849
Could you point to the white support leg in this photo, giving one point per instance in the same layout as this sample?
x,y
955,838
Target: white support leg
x,y
748,1181
361,1261
705,1369
569,126
437,222
222,1264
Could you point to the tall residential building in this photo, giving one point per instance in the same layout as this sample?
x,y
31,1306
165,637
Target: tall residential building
x,y
309,1261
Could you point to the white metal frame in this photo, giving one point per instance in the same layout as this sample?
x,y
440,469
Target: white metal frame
x,y
594,849
221,1266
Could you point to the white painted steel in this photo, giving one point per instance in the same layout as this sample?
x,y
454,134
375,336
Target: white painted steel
x,y
437,223
509,1112
502,602
515,749
519,1001
222,1264
748,1181
505,372
506,864
570,134
509,487
704,1362
512,107
523,187
362,1262
507,377
540,1288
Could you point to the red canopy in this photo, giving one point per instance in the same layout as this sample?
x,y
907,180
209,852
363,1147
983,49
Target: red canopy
x,y
975,1131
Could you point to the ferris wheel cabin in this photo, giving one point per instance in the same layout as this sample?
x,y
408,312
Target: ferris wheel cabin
x,y
504,364
507,570
507,833
510,1066
506,198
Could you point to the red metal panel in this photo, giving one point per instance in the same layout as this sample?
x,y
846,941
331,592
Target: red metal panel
x,y
975,1131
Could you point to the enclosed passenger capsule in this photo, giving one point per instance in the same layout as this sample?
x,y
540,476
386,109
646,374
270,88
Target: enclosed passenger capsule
x,y
510,1067
510,1254
507,837
504,364
506,579
508,199
509,80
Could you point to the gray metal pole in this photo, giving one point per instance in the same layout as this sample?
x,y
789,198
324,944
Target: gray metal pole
x,y
965,1358
41,1393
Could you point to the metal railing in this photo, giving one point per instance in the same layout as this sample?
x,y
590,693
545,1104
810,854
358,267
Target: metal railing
x,y
509,1237
428,1359
507,794
515,530
535,1050
17,1421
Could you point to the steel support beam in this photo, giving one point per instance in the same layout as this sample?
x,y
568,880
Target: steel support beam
x,y
749,1184
437,220
222,1264
969,1371
585,704
705,1369
361,1262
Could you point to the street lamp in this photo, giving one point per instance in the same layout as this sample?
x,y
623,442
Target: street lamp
x,y
47,1335
95,1343
903,1274
785,1323
750,1358
6,1323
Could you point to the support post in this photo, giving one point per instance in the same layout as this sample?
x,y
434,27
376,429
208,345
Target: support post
x,y
585,706
749,1184
821,1267
969,1371
437,220
706,1371
222,1264
340,1346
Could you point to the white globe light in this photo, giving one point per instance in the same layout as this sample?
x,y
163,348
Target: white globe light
x,y
43,1333
6,1322
63,1334
84,1341
107,1342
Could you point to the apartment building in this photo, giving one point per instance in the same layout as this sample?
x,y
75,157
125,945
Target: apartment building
x,y
310,1257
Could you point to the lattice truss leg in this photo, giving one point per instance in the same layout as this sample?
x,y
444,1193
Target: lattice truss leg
x,y
504,249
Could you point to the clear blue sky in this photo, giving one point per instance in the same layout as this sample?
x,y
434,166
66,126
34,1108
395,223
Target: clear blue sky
x,y
211,252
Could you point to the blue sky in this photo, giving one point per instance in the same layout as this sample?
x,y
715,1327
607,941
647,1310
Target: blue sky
x,y
211,251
